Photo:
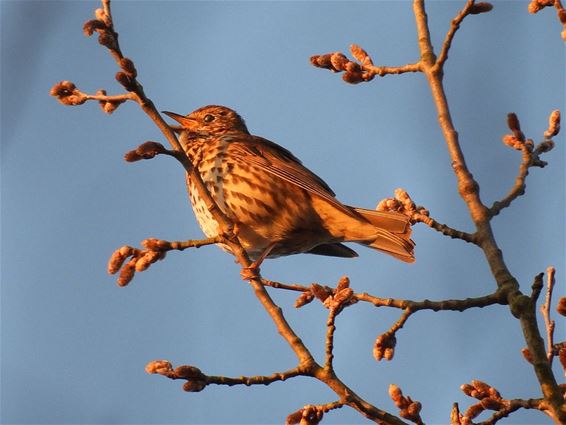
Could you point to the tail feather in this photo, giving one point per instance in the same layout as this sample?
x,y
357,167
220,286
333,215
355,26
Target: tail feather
x,y
397,246
393,233
391,221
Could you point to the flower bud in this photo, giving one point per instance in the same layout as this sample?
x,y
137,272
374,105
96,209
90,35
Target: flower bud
x,y
482,7
128,67
126,81
491,404
343,283
93,25
194,386
360,55
126,274
395,393
339,61
320,292
304,299
353,77
118,257
107,40
473,411
189,372
322,61
161,367
553,121
561,307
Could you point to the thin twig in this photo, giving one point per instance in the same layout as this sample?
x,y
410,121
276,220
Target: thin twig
x,y
444,229
454,26
528,159
382,71
161,245
286,286
255,380
512,406
545,310
443,305
329,344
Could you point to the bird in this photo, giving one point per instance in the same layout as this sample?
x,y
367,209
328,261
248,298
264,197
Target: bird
x,y
278,206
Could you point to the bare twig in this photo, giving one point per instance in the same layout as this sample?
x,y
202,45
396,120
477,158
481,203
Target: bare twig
x,y
312,414
286,286
193,374
530,156
497,297
470,8
408,408
329,344
545,310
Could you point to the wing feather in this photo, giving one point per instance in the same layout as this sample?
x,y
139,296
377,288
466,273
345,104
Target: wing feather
x,y
280,162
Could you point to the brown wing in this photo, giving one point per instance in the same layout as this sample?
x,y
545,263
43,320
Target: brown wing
x,y
280,162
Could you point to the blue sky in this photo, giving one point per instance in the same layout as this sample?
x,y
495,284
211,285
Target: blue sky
x,y
74,345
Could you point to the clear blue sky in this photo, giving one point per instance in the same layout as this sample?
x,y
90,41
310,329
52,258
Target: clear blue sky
x,y
74,345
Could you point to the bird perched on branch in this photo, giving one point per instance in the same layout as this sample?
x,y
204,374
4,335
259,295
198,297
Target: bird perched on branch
x,y
278,206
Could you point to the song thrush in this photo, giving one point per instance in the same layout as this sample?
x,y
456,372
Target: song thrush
x,y
278,206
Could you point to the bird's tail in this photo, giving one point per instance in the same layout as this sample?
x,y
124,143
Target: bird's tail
x,y
393,233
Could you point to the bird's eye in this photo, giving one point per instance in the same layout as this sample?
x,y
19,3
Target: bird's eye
x,y
208,118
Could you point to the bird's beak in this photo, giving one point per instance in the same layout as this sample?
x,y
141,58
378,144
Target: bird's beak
x,y
186,122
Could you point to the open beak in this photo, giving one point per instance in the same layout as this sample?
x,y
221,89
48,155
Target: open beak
x,y
186,122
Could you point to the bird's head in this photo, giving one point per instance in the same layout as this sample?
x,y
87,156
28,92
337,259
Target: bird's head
x,y
211,119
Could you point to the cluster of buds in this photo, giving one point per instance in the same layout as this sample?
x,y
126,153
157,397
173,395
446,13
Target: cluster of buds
x,y
102,24
489,399
332,298
537,5
196,380
402,203
127,77
408,408
518,141
354,72
308,415
146,150
140,260
384,346
68,94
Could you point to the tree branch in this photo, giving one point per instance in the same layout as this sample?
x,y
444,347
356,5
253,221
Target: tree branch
x,y
545,310
519,304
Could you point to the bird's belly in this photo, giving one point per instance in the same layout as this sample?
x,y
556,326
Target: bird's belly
x,y
264,209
